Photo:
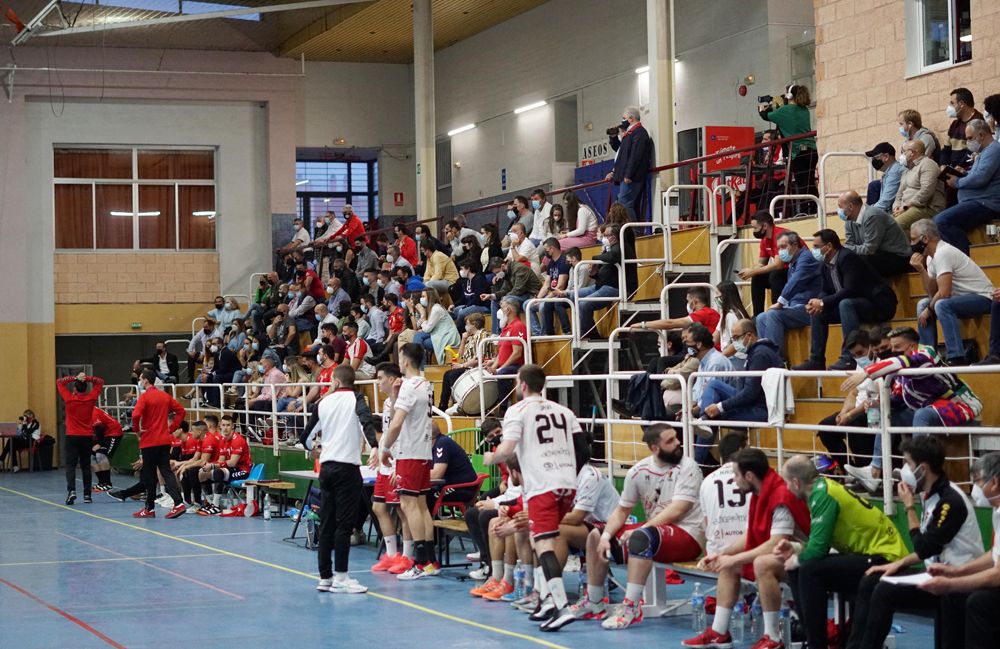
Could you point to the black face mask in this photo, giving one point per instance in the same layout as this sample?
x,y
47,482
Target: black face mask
x,y
624,125
759,234
878,164
81,386
919,247
887,353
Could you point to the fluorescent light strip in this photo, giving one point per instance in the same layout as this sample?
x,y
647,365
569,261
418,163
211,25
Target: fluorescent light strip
x,y
524,109
301,182
209,213
642,69
966,39
461,129
135,213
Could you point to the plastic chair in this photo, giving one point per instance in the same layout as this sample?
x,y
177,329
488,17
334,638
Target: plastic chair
x,y
442,499
256,473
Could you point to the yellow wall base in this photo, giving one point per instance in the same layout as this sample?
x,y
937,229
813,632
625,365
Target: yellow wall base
x,y
29,380
82,319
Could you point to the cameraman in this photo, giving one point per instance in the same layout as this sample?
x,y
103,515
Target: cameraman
x,y
632,161
792,119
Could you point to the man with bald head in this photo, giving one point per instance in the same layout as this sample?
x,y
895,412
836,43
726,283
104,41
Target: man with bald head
x,y
872,233
921,191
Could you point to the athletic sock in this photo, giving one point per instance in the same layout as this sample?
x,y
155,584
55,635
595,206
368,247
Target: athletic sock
x,y
421,553
496,569
633,592
391,547
340,576
408,548
771,624
508,573
540,585
595,593
529,580
721,622
558,590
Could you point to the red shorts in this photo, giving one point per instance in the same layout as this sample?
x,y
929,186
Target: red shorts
x,y
546,511
384,491
670,544
413,477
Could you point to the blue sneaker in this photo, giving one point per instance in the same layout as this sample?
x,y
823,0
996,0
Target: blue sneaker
x,y
512,596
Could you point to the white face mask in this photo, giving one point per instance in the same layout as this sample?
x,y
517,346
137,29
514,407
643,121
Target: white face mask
x,y
974,146
389,259
502,318
380,283
515,237
951,112
319,359
423,302
214,349
464,274
902,160
979,499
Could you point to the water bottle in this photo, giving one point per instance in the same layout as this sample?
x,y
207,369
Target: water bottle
x,y
872,413
697,609
581,589
756,620
267,507
737,622
519,575
785,620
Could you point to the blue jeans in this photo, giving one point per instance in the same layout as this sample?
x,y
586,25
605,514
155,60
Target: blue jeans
x,y
460,312
773,323
587,309
505,386
949,311
957,220
904,417
545,312
423,339
495,307
628,195
717,391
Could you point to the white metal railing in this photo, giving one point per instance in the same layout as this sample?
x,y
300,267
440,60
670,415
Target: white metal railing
x,y
717,261
608,301
785,198
717,193
536,304
821,172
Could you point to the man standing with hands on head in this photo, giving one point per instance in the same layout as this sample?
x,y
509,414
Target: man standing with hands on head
x,y
155,415
79,428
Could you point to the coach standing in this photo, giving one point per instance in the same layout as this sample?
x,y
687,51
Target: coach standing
x,y
80,405
632,161
155,415
339,453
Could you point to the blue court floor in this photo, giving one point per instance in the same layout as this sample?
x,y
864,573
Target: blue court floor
x,y
91,576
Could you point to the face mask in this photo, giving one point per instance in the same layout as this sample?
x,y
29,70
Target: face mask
x,y
913,478
624,125
260,368
423,302
255,345
511,214
884,354
974,146
340,248
919,247
785,255
319,318
159,351
284,368
229,307
817,254
951,112
364,308
690,309
515,237
902,160
499,275
739,346
381,284
214,349
878,163
418,237
366,281
759,234
389,259
979,499
903,131
536,204
319,359
464,274
502,318
692,351
863,362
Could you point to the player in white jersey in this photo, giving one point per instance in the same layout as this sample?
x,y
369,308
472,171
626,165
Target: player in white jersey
x,y
725,506
411,427
385,494
596,499
667,485
542,434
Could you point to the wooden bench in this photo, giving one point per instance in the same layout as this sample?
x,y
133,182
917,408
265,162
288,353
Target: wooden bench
x,y
445,529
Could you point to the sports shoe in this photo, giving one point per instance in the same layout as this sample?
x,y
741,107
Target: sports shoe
x,y
431,568
628,615
510,597
325,585
386,562
101,487
479,574
233,512
415,572
144,513
165,501
402,565
709,639
766,642
484,589
177,511
528,603
584,609
472,556
348,586
546,608
87,498
864,476
557,620
116,494
453,410
71,498
358,538
498,592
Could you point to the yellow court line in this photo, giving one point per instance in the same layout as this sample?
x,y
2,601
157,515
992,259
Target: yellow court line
x,y
275,566
165,556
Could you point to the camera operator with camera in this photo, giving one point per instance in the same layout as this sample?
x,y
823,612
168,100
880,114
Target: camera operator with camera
x,y
790,113
634,155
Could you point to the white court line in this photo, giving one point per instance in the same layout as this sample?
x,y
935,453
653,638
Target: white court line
x,y
191,536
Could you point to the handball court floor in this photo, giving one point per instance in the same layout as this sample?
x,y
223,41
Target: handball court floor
x,y
91,576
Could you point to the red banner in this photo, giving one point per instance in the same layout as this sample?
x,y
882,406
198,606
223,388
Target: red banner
x,y
719,139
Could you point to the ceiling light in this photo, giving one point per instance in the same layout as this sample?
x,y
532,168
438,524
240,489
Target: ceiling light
x,y
208,213
966,39
300,182
525,109
147,213
642,69
135,213
461,129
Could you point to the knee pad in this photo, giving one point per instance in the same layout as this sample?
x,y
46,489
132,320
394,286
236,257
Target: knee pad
x,y
643,543
99,458
550,565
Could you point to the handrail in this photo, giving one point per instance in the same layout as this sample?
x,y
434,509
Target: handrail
x,y
480,351
538,301
664,300
723,188
710,205
719,247
577,299
820,211
823,194
664,232
194,325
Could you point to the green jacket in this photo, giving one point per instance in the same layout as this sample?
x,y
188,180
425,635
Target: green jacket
x,y
792,119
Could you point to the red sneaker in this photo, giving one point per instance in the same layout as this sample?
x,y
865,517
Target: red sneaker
x,y
401,566
766,642
503,589
386,562
672,577
709,639
234,512
177,511
144,513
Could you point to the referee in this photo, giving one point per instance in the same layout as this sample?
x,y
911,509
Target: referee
x,y
338,448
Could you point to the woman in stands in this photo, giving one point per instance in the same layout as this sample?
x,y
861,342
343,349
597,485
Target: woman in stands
x,y
438,330
296,373
236,335
230,313
730,305
472,251
618,215
793,119
491,246
581,223
556,225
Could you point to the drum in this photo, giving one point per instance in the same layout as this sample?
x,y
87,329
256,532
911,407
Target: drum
x,y
466,392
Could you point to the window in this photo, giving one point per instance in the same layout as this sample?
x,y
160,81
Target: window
x,y
938,34
134,199
323,187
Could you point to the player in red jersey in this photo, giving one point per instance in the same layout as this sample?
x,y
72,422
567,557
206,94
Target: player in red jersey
x,y
234,461
107,438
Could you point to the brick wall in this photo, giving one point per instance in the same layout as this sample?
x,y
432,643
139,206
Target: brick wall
x,y
861,82
126,278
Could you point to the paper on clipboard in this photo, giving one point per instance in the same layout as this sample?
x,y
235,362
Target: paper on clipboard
x,y
908,580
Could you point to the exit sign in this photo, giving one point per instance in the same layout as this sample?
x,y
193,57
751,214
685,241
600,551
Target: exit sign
x,y
137,325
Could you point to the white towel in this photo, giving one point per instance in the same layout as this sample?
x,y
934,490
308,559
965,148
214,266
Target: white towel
x,y
778,393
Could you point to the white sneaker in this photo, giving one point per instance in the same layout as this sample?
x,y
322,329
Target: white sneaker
x,y
348,586
325,585
628,614
584,609
472,556
414,573
452,411
479,574
864,476
165,501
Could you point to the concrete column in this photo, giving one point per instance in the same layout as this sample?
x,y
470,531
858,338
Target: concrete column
x,y
660,120
423,103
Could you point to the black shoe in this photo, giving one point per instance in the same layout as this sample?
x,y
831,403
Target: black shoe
x,y
810,365
992,359
87,499
545,610
844,364
622,408
117,495
957,361
558,620
71,498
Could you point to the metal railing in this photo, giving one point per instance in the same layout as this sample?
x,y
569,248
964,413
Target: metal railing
x,y
785,198
821,172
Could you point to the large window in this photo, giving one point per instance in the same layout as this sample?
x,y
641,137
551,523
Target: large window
x,y
324,187
134,199
938,34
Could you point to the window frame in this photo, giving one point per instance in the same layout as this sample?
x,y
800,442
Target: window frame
x,y
135,182
914,31
304,196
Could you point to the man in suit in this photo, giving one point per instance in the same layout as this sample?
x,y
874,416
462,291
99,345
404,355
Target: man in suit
x,y
164,364
632,161
852,293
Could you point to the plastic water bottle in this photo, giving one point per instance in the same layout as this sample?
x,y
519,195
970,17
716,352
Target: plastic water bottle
x,y
737,622
697,609
785,620
581,589
872,414
519,576
756,620
267,507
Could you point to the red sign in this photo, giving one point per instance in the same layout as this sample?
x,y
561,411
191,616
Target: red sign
x,y
397,199
719,139
586,162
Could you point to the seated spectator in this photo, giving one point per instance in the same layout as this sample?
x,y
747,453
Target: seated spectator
x,y
745,400
272,377
962,111
912,128
438,330
265,298
471,252
295,371
358,354
387,282
369,282
223,371
395,259
378,322
310,282
579,277
921,192
423,233
301,309
196,348
395,325
581,223
466,296
450,466
852,293
454,236
364,257
29,432
556,278
523,250
606,288
881,193
852,412
229,313
518,211
283,334
165,364
323,315
873,234
468,358
770,272
337,296
957,287
805,281
348,280
236,335
541,209
699,312
358,316
408,280
510,353
618,215
511,281
731,310
978,190
555,226
405,245
440,272
491,246
701,345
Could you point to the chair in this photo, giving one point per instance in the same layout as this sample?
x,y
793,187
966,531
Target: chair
x,y
452,526
443,502
256,473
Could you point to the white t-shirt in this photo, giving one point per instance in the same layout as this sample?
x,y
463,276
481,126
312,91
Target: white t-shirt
x,y
529,251
966,277
656,487
726,509
595,495
541,216
544,433
415,398
301,236
341,432
386,420
359,349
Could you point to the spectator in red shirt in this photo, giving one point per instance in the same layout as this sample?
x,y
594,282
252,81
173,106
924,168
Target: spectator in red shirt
x,y
80,403
698,310
155,415
396,323
770,272
310,281
510,353
352,228
407,246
